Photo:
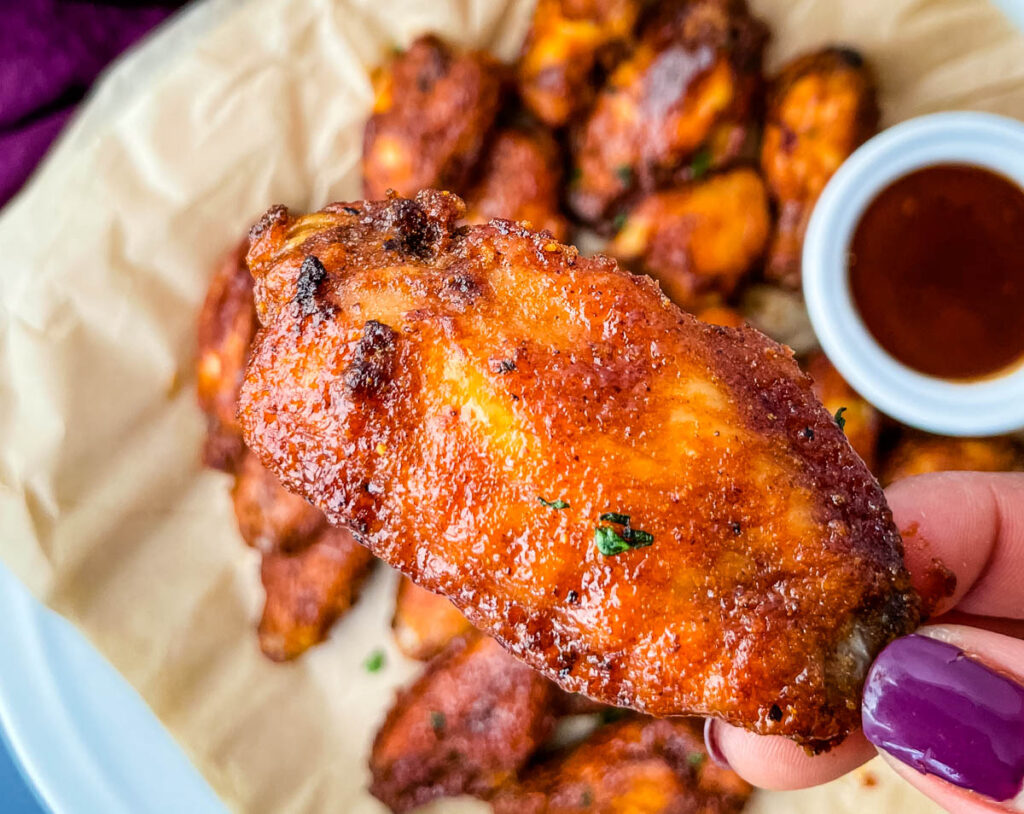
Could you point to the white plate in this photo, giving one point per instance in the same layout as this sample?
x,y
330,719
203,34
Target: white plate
x,y
84,738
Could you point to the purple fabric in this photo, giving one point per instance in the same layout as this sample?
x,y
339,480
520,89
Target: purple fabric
x,y
50,53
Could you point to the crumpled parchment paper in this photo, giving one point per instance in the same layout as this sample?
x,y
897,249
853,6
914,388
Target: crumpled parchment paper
x,y
105,511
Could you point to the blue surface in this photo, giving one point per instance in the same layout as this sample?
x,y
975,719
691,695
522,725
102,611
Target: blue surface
x,y
15,796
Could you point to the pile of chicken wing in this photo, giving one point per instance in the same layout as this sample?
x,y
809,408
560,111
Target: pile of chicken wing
x,y
650,123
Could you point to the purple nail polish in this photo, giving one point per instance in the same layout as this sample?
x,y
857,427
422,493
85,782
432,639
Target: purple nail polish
x,y
930,705
711,744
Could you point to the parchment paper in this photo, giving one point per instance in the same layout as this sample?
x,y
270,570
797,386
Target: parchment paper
x,y
105,511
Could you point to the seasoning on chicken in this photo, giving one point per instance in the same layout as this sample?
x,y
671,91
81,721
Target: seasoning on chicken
x,y
466,726
918,453
433,109
861,422
424,622
694,68
569,41
648,509
227,324
821,108
635,766
520,179
701,240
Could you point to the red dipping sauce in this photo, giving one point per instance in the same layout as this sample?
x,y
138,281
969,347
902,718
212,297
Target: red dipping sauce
x,y
936,271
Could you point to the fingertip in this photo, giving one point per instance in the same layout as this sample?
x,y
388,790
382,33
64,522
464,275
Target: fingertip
x,y
779,764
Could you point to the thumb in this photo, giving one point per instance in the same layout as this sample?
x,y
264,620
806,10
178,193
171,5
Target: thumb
x,y
946,708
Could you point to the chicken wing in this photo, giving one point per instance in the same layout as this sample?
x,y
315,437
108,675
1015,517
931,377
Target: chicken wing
x,y
821,108
861,422
567,41
648,509
701,240
918,454
424,622
227,324
689,73
433,108
308,590
465,727
270,518
311,573
636,766
520,179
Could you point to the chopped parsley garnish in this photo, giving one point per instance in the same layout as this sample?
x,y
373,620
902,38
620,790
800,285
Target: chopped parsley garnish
x,y
619,221
437,721
374,661
553,504
611,542
625,174
586,798
701,163
696,759
575,174
839,418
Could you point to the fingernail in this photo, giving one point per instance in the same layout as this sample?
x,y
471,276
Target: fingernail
x,y
711,744
933,707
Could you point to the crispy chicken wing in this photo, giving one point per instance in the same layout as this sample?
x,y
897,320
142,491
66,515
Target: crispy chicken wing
x,y
690,72
701,240
520,179
308,590
227,324
917,453
311,572
636,766
424,622
567,41
648,509
821,108
434,106
465,727
862,423
270,517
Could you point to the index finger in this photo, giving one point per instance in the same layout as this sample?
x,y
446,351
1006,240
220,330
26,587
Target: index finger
x,y
973,524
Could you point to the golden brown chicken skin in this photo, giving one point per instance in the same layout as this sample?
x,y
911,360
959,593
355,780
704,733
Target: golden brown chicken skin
x,y
821,108
690,72
424,622
701,240
568,41
227,324
433,109
861,422
710,542
636,766
307,591
917,453
520,179
465,727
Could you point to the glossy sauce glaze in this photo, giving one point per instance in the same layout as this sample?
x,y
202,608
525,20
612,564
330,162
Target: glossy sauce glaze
x,y
937,271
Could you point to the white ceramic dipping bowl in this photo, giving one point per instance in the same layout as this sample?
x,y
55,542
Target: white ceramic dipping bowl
x,y
984,407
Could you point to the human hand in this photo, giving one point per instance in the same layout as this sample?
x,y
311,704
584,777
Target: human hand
x,y
945,707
